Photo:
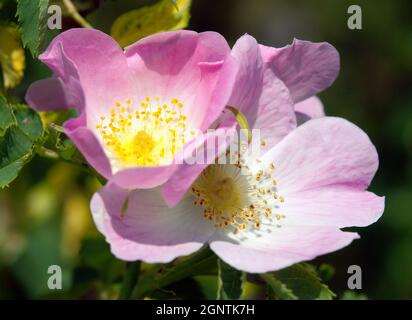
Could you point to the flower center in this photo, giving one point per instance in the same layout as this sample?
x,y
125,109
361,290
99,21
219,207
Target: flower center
x,y
235,199
145,135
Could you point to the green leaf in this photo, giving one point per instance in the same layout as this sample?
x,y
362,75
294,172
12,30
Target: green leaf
x,y
352,295
160,276
230,282
303,280
32,17
277,290
20,134
109,10
139,23
7,118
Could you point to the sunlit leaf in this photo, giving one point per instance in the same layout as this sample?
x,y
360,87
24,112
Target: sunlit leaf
x,y
300,279
139,23
12,58
32,17
277,290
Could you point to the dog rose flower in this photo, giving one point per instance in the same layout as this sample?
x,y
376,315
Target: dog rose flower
x,y
261,214
140,108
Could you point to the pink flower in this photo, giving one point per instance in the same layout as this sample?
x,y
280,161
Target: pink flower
x,y
270,211
139,109
288,207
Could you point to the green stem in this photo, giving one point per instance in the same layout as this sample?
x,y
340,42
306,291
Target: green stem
x,y
130,279
54,155
162,276
72,11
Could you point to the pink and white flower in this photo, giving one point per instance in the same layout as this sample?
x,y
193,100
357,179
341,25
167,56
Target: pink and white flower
x,y
139,108
288,208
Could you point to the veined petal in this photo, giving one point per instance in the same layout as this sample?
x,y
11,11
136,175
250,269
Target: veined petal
x,y
195,68
333,206
249,80
280,248
306,68
148,229
47,94
88,144
260,95
275,116
324,152
100,63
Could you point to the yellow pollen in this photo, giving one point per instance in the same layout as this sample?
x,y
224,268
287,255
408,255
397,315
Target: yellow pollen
x,y
231,200
142,134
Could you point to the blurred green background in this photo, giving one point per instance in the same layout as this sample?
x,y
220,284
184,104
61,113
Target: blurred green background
x,y
44,216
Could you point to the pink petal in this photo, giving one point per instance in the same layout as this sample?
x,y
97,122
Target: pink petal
x,y
88,144
281,248
47,95
333,206
306,68
143,177
100,64
249,80
195,68
65,91
324,152
260,95
310,108
275,116
149,230
186,174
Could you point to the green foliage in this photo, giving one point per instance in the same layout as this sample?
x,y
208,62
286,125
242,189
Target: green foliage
x,y
299,281
110,10
7,118
95,254
42,251
352,295
277,290
160,276
21,129
139,23
32,17
230,282
12,58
